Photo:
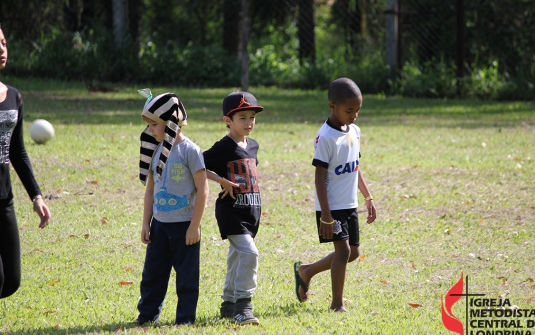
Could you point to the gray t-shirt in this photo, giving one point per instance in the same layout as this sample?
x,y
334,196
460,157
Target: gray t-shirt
x,y
174,193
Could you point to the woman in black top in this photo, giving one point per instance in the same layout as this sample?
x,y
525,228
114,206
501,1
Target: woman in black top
x,y
12,150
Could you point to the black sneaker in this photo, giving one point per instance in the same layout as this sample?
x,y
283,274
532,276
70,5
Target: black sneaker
x,y
243,314
227,309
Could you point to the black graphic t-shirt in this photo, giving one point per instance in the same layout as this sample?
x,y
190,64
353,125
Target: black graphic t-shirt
x,y
227,159
12,146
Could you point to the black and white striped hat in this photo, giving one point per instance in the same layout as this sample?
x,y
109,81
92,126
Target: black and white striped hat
x,y
165,109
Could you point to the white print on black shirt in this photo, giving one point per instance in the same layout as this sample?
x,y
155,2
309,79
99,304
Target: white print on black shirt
x,y
247,200
243,172
8,121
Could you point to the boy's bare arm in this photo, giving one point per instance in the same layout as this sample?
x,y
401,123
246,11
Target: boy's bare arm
x,y
193,234
326,230
148,201
227,184
370,205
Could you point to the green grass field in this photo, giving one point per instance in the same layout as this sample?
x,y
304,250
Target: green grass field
x,y
453,183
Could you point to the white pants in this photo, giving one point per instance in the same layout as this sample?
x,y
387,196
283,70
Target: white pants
x,y
242,266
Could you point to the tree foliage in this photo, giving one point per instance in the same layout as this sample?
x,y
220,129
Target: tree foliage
x,y
304,43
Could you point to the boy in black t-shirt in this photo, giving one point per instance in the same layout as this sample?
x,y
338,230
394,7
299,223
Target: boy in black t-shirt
x,y
232,163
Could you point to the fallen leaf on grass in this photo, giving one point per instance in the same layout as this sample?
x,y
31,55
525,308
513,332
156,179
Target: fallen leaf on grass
x,y
374,313
58,326
94,182
384,281
118,329
128,269
86,236
122,283
53,282
104,220
362,257
50,311
504,280
73,236
413,266
415,305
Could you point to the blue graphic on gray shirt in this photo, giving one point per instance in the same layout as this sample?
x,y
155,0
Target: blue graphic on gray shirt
x,y
167,202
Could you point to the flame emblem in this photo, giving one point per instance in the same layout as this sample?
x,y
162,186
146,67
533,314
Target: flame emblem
x,y
448,319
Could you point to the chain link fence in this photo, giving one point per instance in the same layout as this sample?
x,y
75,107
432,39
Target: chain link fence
x,y
494,34
291,43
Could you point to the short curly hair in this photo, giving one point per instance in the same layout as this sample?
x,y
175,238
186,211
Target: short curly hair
x,y
342,89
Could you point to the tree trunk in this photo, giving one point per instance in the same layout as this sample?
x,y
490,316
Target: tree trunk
x,y
392,37
305,31
134,21
363,17
72,14
120,18
244,46
231,27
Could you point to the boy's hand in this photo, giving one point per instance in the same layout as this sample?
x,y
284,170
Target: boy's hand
x,y
228,186
145,234
193,235
326,230
372,214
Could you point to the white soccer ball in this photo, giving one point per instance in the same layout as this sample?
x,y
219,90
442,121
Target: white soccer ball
x,y
41,131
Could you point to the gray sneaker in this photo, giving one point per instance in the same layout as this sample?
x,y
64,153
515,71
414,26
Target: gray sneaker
x,y
243,314
227,309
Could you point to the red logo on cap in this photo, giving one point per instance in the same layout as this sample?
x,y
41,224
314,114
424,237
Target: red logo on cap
x,y
243,102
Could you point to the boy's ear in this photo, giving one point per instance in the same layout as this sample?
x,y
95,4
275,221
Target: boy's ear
x,y
331,105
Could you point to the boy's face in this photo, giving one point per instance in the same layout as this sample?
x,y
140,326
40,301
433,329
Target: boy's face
x,y
345,113
3,50
157,130
242,122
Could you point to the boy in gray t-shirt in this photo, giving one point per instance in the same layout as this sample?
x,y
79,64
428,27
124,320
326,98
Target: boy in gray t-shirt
x,y
172,167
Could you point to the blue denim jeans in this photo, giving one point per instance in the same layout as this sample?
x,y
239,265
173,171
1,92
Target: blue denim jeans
x,y
168,250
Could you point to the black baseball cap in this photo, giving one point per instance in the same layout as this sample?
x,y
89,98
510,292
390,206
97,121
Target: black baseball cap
x,y
240,101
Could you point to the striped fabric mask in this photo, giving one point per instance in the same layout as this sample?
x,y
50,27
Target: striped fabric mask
x,y
164,108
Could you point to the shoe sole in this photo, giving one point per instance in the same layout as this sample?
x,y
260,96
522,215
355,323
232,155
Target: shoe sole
x,y
249,322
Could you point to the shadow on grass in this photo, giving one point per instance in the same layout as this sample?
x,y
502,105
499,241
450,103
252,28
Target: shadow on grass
x,y
112,327
281,107
120,327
